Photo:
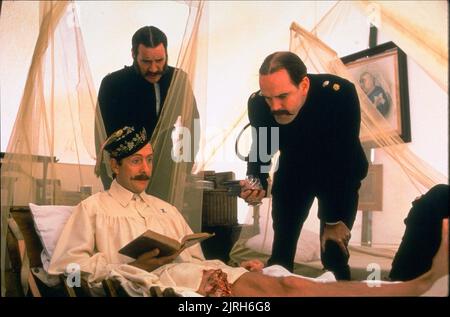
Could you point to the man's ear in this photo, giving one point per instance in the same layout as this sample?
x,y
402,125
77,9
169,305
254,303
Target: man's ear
x,y
304,85
114,166
132,55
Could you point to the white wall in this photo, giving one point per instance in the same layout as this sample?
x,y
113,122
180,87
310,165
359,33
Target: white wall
x,y
429,140
19,20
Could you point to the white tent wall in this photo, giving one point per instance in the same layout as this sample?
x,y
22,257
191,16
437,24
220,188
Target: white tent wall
x,y
237,48
241,34
428,104
428,98
429,134
18,20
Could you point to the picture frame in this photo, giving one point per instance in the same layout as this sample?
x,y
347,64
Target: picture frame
x,y
382,74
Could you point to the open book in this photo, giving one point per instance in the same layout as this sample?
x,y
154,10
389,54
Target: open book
x,y
150,240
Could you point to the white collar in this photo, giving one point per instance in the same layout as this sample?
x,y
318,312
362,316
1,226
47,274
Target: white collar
x,y
124,196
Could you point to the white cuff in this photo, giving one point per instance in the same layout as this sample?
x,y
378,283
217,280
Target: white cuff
x,y
333,223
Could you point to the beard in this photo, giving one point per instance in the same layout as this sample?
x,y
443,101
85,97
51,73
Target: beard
x,y
282,112
147,73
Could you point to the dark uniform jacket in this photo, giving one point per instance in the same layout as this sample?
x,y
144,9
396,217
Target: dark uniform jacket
x,y
320,150
125,97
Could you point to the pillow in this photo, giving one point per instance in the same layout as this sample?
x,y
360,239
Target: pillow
x,y
49,222
308,246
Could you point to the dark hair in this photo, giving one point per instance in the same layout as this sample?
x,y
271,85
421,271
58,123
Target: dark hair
x,y
119,162
149,36
284,60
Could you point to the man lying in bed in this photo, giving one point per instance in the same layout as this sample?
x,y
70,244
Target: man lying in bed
x,y
106,221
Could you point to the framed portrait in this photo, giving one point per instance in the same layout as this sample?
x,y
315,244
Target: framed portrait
x,y
382,74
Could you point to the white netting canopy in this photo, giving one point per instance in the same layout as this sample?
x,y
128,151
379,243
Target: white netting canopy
x,y
68,47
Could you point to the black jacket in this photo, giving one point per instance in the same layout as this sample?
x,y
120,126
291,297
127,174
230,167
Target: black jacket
x,y
320,149
125,98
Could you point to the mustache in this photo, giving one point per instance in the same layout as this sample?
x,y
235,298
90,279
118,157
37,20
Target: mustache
x,y
154,73
159,73
281,112
142,177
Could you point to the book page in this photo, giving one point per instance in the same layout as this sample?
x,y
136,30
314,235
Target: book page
x,y
195,238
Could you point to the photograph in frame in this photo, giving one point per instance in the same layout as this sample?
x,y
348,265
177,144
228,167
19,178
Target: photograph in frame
x,y
381,72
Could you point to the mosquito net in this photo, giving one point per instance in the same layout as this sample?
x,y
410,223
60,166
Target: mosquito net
x,y
58,121
52,151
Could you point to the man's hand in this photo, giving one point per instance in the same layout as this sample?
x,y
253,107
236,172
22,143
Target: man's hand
x,y
149,261
254,265
251,195
338,233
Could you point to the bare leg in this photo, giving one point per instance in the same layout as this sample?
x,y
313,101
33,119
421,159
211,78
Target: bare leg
x,y
256,284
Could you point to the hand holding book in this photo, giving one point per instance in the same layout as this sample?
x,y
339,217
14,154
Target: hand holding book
x,y
151,260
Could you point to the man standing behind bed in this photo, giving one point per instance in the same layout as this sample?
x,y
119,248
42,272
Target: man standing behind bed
x,y
316,119
135,95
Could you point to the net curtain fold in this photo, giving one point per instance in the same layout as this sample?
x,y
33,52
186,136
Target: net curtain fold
x,y
419,29
58,110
